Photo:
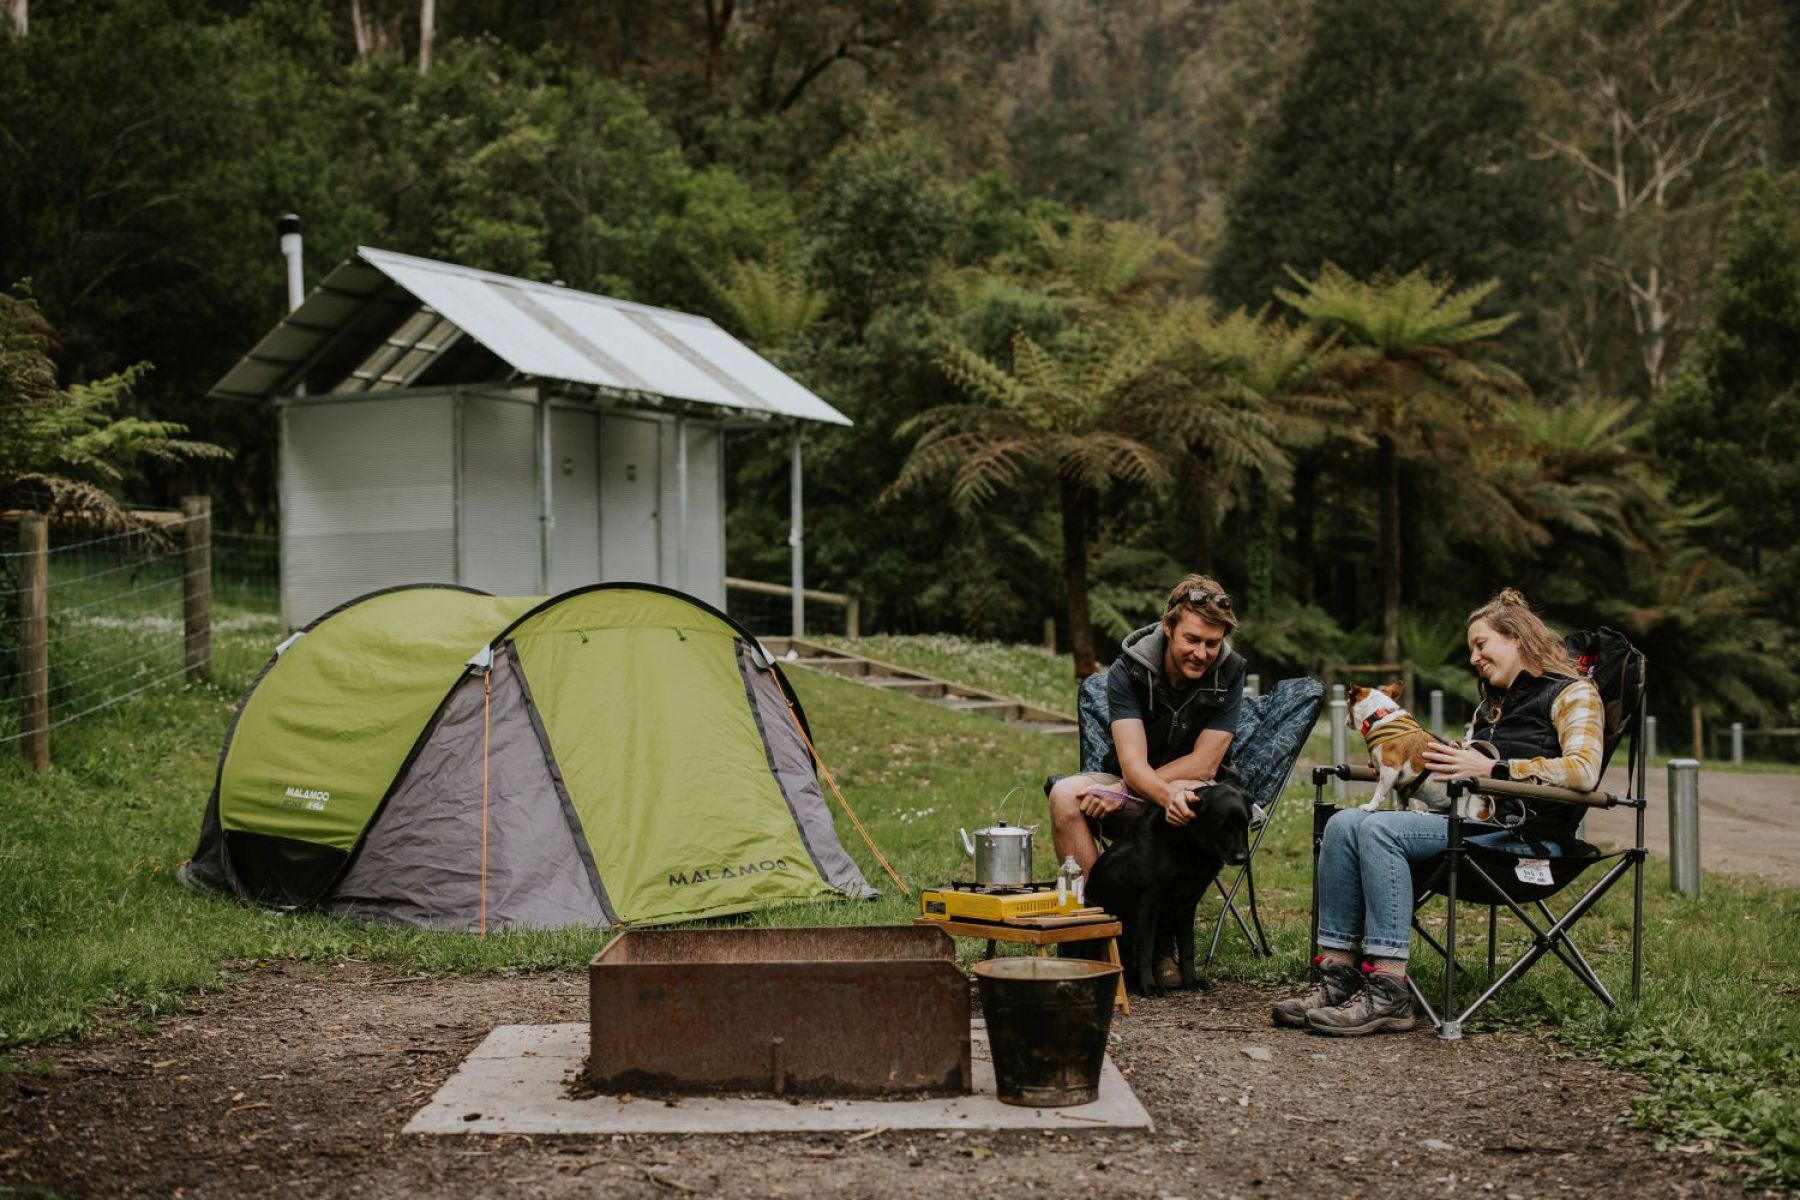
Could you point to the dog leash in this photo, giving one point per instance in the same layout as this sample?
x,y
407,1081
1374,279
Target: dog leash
x,y
1129,797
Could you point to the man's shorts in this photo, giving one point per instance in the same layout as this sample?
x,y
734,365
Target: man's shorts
x,y
1096,779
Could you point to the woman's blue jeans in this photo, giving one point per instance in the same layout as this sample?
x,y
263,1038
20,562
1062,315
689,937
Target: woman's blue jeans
x,y
1365,878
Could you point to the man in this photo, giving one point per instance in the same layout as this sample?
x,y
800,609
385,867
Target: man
x,y
1174,695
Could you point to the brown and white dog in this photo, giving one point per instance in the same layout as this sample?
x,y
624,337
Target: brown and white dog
x,y
1396,745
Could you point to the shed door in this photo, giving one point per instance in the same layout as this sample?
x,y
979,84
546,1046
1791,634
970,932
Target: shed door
x,y
630,455
574,499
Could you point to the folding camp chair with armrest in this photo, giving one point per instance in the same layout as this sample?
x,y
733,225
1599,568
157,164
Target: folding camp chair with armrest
x,y
1469,872
1271,733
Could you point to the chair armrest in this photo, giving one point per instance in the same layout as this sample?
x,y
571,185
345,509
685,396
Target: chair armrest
x,y
1532,791
1347,771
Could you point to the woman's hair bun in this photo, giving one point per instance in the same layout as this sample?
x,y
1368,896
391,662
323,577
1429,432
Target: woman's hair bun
x,y
1511,596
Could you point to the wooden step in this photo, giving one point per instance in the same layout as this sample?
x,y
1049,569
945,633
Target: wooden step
x,y
927,689
842,665
888,677
1004,710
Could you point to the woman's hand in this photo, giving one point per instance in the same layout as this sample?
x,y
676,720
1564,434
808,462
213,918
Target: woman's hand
x,y
1456,762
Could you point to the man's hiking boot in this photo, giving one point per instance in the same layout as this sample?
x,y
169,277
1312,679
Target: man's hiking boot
x,y
1168,971
1382,1005
1332,983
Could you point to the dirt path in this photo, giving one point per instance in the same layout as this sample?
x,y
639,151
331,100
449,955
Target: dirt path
x,y
298,1081
1749,824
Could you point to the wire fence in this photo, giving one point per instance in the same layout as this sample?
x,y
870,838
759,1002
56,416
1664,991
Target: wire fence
x,y
767,610
116,621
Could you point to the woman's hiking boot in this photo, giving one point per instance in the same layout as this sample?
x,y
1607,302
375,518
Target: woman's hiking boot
x,y
1332,983
1383,1004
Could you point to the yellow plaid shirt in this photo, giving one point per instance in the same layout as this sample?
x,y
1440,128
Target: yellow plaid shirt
x,y
1580,722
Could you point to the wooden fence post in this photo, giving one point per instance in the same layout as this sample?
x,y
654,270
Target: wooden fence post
x,y
34,641
196,586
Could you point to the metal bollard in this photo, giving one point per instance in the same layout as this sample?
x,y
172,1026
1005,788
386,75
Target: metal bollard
x,y
1338,753
1437,710
1684,826
1737,743
1649,739
1337,692
1253,686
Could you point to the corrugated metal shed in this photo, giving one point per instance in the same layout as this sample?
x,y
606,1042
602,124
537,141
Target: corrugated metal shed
x,y
383,321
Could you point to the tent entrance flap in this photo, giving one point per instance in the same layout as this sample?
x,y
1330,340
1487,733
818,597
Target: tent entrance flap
x,y
663,758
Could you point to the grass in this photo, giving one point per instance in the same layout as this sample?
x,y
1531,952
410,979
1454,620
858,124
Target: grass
x,y
94,930
1019,672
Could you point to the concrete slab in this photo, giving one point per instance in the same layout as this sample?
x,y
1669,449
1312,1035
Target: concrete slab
x,y
517,1081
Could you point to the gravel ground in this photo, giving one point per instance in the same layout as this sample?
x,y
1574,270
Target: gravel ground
x,y
298,1080
1747,823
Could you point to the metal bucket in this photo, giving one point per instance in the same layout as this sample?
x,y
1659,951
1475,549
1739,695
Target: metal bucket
x,y
1047,1020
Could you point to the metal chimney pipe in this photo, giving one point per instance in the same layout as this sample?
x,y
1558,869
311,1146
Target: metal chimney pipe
x,y
289,227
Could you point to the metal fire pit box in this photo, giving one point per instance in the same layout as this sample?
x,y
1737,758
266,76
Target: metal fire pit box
x,y
828,1011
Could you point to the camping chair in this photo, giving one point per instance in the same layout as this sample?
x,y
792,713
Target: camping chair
x,y
1476,874
1271,732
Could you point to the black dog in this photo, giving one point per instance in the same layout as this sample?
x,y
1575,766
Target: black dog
x,y
1154,874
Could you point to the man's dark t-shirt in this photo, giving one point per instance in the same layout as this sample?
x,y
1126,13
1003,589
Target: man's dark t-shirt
x,y
1174,718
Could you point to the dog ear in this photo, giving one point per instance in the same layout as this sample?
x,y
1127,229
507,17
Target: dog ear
x,y
1354,692
1394,690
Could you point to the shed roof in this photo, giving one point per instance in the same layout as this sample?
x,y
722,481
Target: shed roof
x,y
383,320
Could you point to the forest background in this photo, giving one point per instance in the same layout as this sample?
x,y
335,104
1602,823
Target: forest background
x,y
1365,308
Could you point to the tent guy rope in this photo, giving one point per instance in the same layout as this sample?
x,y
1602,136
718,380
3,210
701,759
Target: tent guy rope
x,y
831,780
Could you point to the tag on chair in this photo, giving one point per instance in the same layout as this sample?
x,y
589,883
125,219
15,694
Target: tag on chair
x,y
1533,870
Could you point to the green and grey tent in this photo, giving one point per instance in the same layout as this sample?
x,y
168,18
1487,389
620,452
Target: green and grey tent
x,y
435,756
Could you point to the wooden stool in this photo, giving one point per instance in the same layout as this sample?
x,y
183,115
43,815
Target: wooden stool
x,y
1101,928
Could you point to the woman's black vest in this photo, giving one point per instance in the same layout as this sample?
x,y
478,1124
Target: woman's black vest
x,y
1518,722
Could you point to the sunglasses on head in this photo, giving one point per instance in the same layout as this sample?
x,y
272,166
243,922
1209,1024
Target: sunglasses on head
x,y
1217,600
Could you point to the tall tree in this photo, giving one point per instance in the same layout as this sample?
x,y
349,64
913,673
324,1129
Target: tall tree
x,y
1729,424
1085,410
1653,106
1398,146
427,32
1420,367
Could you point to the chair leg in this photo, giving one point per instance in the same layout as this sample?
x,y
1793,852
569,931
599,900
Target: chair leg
x,y
1637,916
1256,917
1586,969
1229,909
1436,945
1450,1028
1319,820
1551,940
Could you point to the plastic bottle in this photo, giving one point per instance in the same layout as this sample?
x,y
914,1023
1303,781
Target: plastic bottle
x,y
1069,882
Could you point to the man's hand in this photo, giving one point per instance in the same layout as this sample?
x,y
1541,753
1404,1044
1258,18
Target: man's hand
x,y
1176,811
1095,805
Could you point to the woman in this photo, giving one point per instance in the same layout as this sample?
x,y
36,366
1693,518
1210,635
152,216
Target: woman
x,y
1546,723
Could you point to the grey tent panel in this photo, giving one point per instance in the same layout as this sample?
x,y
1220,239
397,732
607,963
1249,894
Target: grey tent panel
x,y
792,764
421,861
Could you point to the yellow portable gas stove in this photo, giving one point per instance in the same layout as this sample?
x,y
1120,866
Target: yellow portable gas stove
x,y
961,901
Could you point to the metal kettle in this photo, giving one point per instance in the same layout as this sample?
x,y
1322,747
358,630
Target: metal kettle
x,y
1001,854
